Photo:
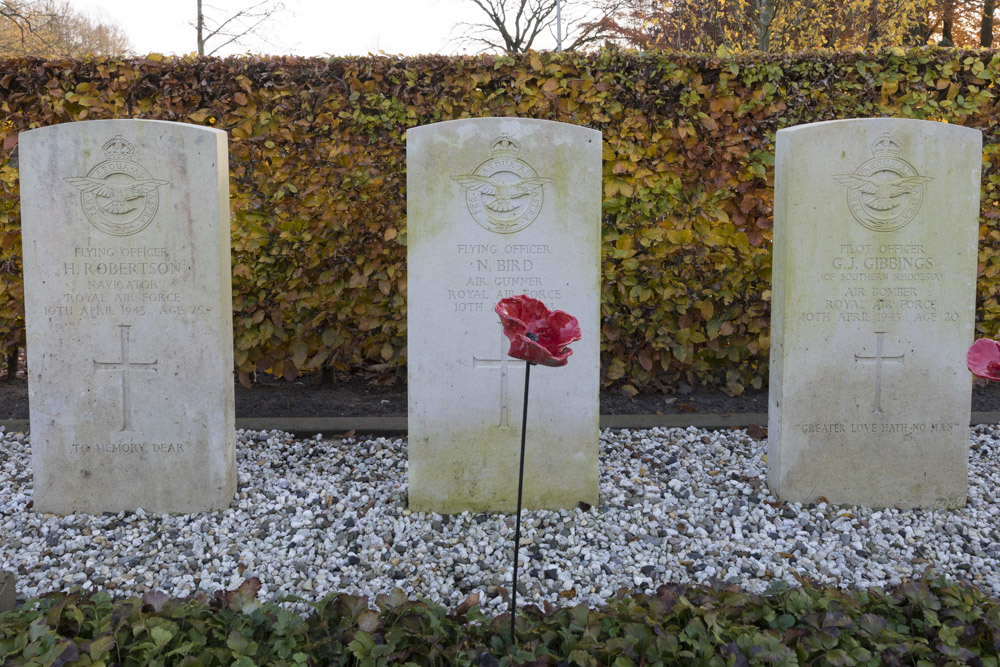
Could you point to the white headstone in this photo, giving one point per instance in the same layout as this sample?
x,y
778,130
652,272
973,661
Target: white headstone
x,y
874,280
499,207
128,307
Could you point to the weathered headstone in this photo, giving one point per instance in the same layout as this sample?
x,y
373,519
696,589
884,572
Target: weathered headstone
x,y
496,208
8,596
874,276
125,228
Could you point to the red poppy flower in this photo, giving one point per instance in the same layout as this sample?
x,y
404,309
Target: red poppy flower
x,y
984,359
537,335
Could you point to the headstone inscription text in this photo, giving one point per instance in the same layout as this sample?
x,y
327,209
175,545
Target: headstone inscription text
x,y
496,208
125,228
876,228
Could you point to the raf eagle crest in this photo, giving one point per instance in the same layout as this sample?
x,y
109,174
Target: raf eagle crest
x,y
119,196
884,193
504,194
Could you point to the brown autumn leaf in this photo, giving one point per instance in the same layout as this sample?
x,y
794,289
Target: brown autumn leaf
x,y
470,601
645,360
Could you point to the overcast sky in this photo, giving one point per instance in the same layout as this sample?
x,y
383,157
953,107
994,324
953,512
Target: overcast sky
x,y
306,27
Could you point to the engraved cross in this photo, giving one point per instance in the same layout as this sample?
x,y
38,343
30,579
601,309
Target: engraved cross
x,y
879,360
125,366
503,363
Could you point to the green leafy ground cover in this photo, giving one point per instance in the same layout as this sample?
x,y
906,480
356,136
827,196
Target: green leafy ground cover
x,y
926,622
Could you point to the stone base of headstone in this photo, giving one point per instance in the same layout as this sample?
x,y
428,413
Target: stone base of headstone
x,y
7,597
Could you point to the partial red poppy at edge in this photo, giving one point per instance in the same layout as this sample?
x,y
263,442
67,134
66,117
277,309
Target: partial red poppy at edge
x,y
984,359
537,335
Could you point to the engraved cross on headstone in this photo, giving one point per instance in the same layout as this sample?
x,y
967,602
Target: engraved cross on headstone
x,y
503,363
125,367
879,359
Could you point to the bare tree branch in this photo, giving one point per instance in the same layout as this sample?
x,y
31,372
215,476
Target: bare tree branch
x,y
593,28
234,28
514,26
24,18
53,28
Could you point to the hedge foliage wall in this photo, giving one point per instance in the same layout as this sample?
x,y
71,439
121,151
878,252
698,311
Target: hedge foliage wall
x,y
317,160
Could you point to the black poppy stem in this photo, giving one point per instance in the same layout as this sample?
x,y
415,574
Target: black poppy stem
x,y
520,488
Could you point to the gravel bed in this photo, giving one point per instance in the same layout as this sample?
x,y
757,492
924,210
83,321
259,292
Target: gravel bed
x,y
315,516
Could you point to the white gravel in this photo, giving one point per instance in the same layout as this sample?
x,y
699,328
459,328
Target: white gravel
x,y
315,516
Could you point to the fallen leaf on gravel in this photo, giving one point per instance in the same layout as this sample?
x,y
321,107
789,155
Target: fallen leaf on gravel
x,y
471,601
756,432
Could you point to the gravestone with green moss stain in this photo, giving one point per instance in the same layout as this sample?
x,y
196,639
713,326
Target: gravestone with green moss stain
x,y
873,307
128,307
498,207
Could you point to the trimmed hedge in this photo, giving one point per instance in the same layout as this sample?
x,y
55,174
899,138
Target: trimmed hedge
x,y
317,162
